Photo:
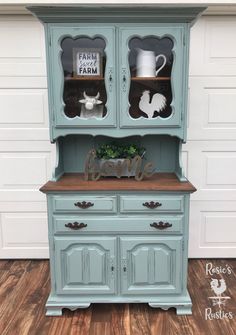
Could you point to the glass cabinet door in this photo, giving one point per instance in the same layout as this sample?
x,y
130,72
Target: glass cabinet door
x,y
83,77
151,77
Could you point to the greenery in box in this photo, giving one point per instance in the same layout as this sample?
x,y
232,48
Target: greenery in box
x,y
116,150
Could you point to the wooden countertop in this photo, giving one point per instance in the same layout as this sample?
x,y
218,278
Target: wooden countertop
x,y
158,182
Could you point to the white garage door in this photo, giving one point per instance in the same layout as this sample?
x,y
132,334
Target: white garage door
x,y
27,157
210,153
25,150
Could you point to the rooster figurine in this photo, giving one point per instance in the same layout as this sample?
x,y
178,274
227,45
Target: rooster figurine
x,y
218,289
157,104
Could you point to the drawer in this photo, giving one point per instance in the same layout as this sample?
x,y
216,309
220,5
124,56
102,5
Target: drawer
x,y
151,204
109,225
85,204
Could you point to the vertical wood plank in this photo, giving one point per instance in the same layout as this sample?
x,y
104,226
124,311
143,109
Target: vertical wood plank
x,y
30,294
120,319
139,321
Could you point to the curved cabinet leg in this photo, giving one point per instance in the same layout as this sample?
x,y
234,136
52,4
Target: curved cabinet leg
x,y
53,311
57,311
183,310
81,305
180,309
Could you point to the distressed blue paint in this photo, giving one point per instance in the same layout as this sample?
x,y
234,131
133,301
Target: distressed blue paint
x,y
118,257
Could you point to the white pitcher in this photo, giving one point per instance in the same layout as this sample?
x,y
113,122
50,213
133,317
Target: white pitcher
x,y
146,63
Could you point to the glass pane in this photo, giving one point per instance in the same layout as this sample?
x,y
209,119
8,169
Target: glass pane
x,y
150,61
84,62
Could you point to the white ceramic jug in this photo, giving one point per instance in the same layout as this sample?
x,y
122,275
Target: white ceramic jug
x,y
146,63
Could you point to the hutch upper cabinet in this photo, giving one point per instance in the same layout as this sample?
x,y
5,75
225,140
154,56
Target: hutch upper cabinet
x,y
100,52
118,73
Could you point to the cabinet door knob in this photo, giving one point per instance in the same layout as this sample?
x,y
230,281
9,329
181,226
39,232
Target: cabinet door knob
x,y
75,225
84,204
161,225
124,269
152,204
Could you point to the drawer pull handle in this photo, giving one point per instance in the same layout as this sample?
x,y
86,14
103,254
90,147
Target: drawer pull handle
x,y
75,225
84,204
152,204
124,269
161,225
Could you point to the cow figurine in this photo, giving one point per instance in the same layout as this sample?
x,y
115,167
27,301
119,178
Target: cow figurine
x,y
90,106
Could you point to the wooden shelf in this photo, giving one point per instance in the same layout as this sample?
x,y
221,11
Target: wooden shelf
x,y
158,182
132,78
149,78
83,79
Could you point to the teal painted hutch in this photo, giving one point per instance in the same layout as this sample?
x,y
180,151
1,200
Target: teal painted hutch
x,y
118,240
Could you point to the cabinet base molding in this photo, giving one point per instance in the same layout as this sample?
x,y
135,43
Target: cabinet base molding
x,y
182,303
54,308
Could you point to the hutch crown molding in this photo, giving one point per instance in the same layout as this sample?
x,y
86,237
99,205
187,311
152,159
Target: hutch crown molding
x,y
118,73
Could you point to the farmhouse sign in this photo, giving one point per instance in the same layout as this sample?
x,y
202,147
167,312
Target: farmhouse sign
x,y
94,171
87,62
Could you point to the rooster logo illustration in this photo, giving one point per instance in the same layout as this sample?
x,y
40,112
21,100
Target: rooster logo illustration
x,y
218,286
218,289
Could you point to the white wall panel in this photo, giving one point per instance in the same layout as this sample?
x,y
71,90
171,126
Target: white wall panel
x,y
212,103
211,168
221,107
223,226
24,107
220,169
212,48
24,167
23,170
24,37
212,229
22,51
24,234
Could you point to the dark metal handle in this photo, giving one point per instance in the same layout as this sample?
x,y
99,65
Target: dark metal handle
x,y
75,225
152,204
124,79
84,204
112,268
124,269
161,225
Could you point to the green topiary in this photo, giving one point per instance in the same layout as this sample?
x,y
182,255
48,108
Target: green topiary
x,y
115,150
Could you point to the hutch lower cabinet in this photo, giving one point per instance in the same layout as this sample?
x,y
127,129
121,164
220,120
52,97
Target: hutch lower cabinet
x,y
117,245
117,90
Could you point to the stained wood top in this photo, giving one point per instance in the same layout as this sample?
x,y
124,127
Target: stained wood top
x,y
158,182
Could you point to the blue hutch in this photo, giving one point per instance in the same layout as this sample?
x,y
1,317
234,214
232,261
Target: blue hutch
x,y
118,72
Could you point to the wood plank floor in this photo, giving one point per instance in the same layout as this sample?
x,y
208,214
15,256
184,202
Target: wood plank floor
x,y
25,285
